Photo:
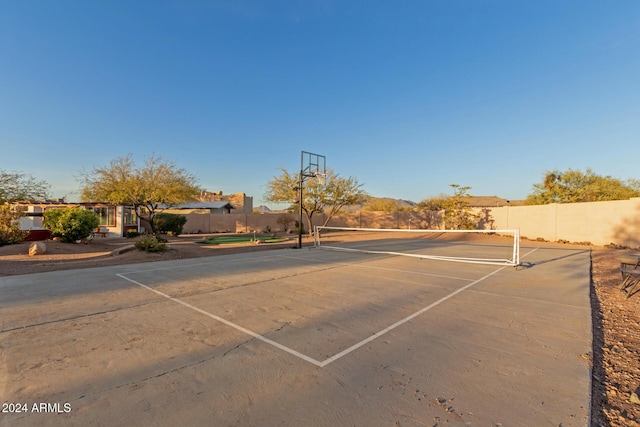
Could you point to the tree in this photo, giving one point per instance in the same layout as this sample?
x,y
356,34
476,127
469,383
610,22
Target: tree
x,y
16,187
436,203
458,215
155,186
457,212
10,225
376,204
330,198
20,187
573,186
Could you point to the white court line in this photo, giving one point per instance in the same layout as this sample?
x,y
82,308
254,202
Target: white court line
x,y
372,267
226,322
337,356
211,262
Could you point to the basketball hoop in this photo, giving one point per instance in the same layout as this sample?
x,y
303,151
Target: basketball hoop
x,y
321,178
311,166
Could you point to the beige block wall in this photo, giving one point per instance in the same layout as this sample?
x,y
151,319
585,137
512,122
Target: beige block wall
x,y
533,221
600,223
368,219
244,223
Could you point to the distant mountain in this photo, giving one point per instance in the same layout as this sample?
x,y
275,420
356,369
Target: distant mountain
x,y
262,209
387,203
381,203
400,202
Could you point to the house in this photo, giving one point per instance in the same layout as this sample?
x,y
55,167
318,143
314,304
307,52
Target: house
x,y
491,202
222,207
114,220
241,202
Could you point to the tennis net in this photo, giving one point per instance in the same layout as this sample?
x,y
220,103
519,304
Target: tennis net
x,y
496,247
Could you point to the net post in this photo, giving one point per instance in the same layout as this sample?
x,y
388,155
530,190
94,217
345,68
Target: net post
x,y
516,247
316,236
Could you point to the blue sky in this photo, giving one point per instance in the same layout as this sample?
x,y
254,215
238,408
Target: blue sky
x,y
406,96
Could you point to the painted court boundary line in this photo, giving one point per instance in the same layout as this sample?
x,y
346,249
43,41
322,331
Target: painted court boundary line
x,y
198,264
372,267
302,356
226,322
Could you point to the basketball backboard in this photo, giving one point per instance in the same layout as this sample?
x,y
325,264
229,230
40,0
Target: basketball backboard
x,y
312,165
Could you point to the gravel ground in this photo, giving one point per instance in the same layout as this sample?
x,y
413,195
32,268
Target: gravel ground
x,y
616,345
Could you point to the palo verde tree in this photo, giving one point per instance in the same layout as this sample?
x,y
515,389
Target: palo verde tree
x,y
573,186
329,198
155,186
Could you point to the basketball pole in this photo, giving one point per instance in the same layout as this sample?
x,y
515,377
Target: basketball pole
x,y
300,185
316,167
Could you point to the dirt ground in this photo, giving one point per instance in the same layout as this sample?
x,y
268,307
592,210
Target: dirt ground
x,y
616,326
14,259
616,344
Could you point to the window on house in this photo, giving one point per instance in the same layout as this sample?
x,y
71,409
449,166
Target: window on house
x,y
130,217
106,215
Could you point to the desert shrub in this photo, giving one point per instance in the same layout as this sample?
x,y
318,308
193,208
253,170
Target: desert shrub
x,y
71,224
10,226
169,223
150,243
131,233
284,222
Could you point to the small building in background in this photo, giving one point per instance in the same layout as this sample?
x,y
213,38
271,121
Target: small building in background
x,y
491,202
241,202
201,208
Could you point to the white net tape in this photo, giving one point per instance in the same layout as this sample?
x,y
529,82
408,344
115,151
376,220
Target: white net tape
x,y
495,247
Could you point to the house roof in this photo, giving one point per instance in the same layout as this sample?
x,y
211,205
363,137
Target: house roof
x,y
205,205
491,202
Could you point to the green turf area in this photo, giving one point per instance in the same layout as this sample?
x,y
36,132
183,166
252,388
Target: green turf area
x,y
240,238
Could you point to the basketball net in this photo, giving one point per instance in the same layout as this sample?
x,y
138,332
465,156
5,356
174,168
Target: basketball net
x,y
321,177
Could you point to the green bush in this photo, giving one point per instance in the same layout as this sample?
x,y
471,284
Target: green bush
x,y
169,223
150,243
10,226
131,233
284,222
71,224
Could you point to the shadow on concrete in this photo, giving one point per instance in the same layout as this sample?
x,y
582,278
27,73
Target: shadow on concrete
x,y
574,252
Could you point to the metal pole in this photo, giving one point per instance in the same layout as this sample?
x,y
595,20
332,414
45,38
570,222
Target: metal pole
x,y
300,200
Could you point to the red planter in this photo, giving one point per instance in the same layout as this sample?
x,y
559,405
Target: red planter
x,y
37,235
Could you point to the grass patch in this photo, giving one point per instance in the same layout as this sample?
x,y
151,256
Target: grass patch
x,y
241,239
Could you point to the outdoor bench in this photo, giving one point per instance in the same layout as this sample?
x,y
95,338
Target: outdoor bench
x,y
630,269
102,232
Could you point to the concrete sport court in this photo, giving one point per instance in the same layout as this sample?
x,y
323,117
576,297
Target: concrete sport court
x,y
300,338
